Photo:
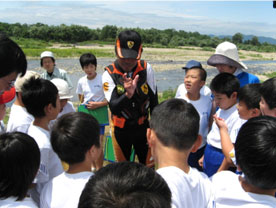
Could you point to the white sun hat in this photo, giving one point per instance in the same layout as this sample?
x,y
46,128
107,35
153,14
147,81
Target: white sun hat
x,y
21,80
227,54
47,54
63,88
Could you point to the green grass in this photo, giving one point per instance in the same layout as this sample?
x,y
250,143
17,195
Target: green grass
x,y
165,95
71,52
270,75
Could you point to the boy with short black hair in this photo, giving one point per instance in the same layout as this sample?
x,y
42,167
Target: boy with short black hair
x,y
13,62
19,163
255,153
40,97
249,97
91,94
268,99
19,118
225,88
75,139
194,80
125,184
172,136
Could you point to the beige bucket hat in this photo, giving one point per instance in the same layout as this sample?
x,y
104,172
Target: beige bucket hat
x,y
226,53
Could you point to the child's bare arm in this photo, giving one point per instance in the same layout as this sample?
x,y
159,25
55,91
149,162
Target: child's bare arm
x,y
93,105
226,143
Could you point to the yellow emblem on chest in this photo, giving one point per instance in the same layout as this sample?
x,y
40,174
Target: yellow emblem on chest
x,y
120,89
145,89
130,44
105,86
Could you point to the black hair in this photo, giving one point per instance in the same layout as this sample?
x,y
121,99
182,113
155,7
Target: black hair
x,y
73,135
41,60
202,72
255,150
250,95
19,163
37,93
12,58
176,123
225,83
268,92
126,185
88,58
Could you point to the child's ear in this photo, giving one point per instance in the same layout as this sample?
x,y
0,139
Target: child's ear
x,y
255,112
48,108
234,95
94,152
150,138
197,143
202,83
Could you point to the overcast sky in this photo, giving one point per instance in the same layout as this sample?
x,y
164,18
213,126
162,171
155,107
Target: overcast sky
x,y
207,17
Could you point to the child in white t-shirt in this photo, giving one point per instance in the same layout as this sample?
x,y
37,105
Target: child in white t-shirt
x,y
255,155
249,98
194,80
64,95
41,100
91,92
75,139
225,87
19,118
172,136
19,163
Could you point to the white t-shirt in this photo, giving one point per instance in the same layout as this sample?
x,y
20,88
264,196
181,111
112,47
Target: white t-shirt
x,y
19,119
50,165
91,89
106,78
192,190
234,123
11,202
68,108
64,190
203,106
228,192
181,91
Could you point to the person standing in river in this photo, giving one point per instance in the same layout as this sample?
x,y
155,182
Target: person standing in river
x,y
131,91
47,61
226,59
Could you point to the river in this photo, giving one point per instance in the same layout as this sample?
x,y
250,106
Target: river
x,y
165,79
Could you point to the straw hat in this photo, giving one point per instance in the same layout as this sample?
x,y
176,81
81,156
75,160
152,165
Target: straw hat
x,y
227,54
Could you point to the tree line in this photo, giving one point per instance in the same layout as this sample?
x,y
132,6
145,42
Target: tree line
x,y
152,37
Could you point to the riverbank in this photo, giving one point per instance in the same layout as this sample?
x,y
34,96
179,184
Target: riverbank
x,y
168,56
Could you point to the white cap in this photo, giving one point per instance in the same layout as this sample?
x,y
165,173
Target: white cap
x,y
47,54
21,80
63,88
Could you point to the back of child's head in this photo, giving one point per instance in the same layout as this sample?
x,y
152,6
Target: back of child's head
x,y
268,92
175,123
125,185
250,95
12,58
19,163
73,135
255,149
38,93
225,83
86,59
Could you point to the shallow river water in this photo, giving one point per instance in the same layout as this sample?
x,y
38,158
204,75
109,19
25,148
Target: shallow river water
x,y
165,79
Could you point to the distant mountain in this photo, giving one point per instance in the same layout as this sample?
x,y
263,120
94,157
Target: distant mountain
x,y
262,39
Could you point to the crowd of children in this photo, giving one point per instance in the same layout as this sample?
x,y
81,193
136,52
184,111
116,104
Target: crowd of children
x,y
212,147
